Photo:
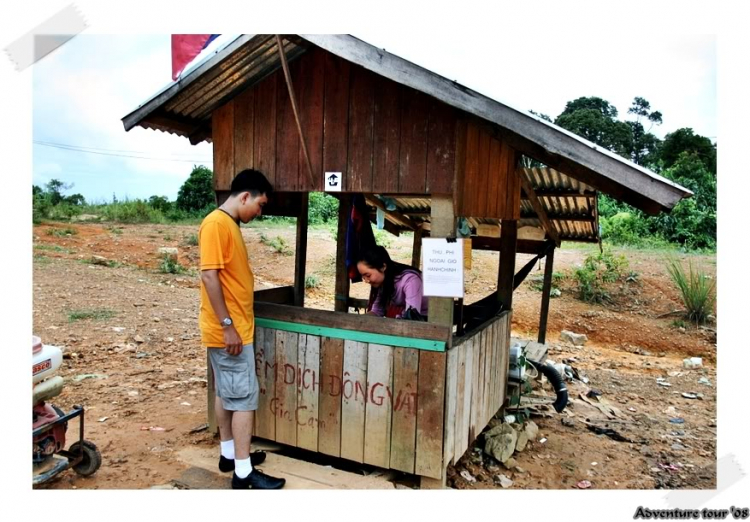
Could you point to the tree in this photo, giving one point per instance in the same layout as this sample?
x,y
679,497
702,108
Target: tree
x,y
643,145
55,188
160,203
595,119
685,140
197,192
75,199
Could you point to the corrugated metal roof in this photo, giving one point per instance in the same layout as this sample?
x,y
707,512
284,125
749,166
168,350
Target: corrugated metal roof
x,y
570,205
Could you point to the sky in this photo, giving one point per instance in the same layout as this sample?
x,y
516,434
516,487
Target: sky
x,y
82,90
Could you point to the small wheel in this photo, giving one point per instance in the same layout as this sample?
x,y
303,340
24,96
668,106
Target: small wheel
x,y
92,459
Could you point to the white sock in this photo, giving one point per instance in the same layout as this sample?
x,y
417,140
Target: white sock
x,y
227,449
242,468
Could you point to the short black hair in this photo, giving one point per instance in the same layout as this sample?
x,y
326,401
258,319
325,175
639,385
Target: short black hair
x,y
251,180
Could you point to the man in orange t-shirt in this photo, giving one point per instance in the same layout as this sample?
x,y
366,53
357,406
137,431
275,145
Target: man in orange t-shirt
x,y
227,326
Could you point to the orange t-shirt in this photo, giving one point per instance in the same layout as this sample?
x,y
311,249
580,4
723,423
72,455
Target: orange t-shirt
x,y
222,248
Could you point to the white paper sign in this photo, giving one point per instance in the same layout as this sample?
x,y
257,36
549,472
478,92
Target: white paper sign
x,y
443,267
332,181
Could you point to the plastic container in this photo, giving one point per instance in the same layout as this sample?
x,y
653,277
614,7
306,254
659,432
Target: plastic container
x,y
45,362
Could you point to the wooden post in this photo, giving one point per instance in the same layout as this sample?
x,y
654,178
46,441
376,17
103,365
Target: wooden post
x,y
545,296
301,257
342,278
416,250
440,309
507,269
213,428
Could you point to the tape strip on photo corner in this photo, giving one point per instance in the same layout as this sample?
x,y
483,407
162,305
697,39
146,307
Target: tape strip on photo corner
x,y
46,37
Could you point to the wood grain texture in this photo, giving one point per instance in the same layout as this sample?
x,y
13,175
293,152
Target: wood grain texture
x,y
265,368
404,424
414,120
310,89
336,116
441,147
451,403
286,388
430,414
287,135
386,135
354,392
265,127
378,411
329,402
361,114
223,143
459,435
307,415
244,131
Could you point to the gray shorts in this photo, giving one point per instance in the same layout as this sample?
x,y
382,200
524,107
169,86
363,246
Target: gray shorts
x,y
234,375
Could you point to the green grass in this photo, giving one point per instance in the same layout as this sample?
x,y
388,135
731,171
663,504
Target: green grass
x,y
170,265
278,243
697,290
53,248
190,240
62,232
97,314
312,281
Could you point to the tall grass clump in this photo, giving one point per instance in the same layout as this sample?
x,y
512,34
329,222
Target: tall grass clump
x,y
697,290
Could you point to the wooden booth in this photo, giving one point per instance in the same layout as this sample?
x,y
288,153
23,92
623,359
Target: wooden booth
x,y
404,395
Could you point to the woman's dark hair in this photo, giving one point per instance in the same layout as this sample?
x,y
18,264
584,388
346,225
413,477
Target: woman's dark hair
x,y
375,257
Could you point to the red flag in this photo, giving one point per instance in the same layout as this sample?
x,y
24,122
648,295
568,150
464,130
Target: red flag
x,y
185,47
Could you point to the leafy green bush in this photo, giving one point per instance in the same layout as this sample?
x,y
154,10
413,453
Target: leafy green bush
x,y
197,192
383,238
278,243
77,315
191,240
312,281
697,290
169,265
597,271
131,211
62,232
322,209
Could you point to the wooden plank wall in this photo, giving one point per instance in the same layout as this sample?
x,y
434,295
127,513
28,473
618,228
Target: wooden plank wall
x,y
476,379
370,403
382,136
486,173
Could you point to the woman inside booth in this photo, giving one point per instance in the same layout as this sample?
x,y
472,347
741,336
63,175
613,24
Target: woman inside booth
x,y
396,288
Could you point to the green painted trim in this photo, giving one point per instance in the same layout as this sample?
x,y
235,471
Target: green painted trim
x,y
352,335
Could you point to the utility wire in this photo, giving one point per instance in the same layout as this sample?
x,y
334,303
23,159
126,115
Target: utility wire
x,y
102,153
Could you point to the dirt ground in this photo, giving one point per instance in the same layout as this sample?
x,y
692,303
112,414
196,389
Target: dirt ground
x,y
138,366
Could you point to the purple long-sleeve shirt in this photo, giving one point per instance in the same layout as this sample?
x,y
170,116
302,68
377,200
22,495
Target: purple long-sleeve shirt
x,y
407,292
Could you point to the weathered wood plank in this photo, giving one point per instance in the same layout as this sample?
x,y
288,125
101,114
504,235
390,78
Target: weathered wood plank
x,y
451,403
441,148
404,424
361,113
513,203
460,168
341,295
468,388
329,402
266,369
471,171
222,123
414,120
265,128
278,295
475,399
378,410
386,135
335,116
482,185
495,175
546,288
286,390
506,271
459,436
300,247
354,391
310,94
308,392
430,412
287,135
377,325
244,131
534,138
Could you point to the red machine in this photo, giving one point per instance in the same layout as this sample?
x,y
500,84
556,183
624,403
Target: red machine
x,y
50,423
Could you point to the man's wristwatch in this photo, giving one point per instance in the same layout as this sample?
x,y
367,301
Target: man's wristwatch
x,y
227,321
